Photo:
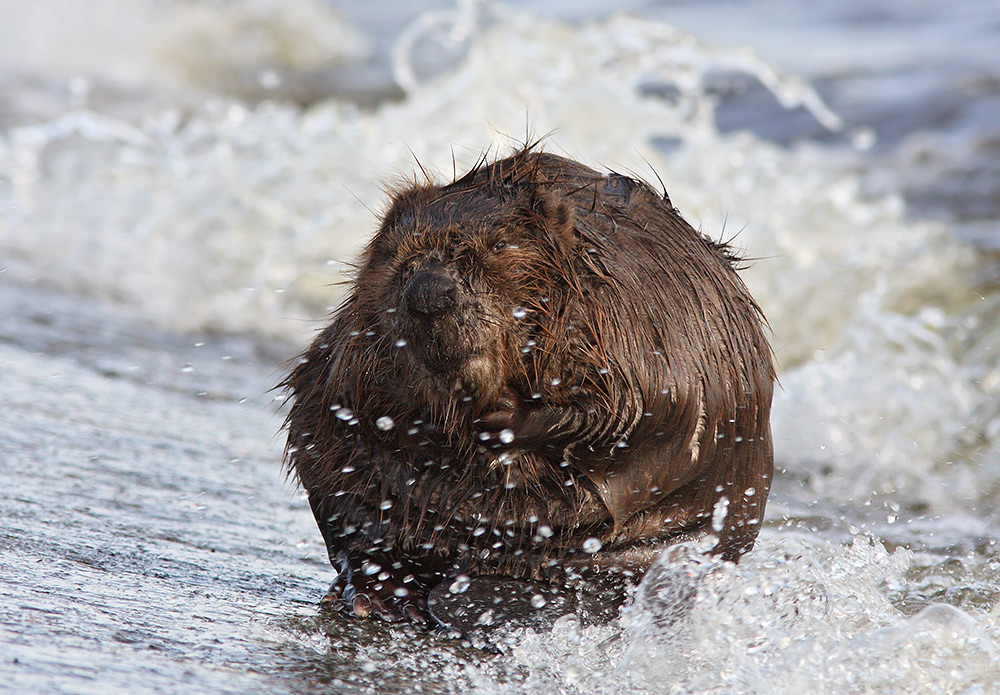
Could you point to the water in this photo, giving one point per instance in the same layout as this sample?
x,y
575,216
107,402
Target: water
x,y
184,184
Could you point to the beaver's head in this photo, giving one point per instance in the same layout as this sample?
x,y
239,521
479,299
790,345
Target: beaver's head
x,y
463,278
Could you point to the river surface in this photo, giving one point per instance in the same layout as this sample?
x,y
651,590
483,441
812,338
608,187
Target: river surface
x,y
184,184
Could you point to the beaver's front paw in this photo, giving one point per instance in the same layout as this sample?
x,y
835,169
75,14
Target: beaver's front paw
x,y
516,424
370,590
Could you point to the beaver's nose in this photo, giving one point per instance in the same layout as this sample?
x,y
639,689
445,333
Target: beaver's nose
x,y
430,293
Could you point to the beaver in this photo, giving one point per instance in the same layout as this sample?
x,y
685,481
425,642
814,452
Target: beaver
x,y
537,366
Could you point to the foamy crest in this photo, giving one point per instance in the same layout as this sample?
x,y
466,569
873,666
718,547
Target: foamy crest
x,y
799,615
885,414
226,217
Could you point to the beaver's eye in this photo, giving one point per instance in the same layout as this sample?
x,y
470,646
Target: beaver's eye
x,y
499,246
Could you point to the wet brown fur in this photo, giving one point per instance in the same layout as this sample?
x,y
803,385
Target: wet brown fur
x,y
592,302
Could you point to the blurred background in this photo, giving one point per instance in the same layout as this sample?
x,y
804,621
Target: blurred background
x,y
183,184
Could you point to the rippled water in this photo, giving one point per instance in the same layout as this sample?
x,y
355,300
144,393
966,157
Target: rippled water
x,y
183,183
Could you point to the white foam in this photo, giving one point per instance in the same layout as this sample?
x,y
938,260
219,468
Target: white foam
x,y
226,217
799,615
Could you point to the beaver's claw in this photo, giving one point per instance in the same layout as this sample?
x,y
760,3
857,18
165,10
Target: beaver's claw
x,y
514,423
376,592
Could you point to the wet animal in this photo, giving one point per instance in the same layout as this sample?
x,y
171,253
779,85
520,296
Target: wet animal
x,y
537,367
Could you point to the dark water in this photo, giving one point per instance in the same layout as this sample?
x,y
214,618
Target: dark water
x,y
147,544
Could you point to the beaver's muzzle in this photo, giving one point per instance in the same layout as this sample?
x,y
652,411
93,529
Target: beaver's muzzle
x,y
430,293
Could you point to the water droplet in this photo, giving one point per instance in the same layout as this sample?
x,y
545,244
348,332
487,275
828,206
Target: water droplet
x,y
538,601
719,513
269,79
370,568
400,343
556,381
863,139
479,531
591,545
750,491
506,436
345,413
460,585
401,592
546,531
385,423
187,369
520,312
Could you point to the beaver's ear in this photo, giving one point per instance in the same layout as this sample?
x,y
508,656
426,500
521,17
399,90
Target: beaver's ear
x,y
399,220
405,200
557,218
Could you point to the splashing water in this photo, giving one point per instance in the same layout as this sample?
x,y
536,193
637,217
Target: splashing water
x,y
277,207
876,571
799,615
